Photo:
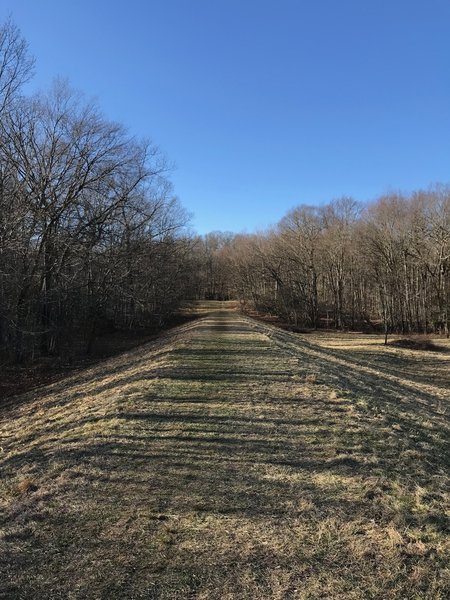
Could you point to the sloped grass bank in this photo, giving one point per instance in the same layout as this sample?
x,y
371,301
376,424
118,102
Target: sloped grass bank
x,y
228,460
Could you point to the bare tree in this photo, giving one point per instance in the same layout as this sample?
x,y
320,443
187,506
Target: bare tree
x,y
16,65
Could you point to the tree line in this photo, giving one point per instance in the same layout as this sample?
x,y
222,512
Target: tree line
x,y
91,236
346,265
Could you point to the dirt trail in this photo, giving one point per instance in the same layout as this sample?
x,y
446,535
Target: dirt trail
x,y
227,460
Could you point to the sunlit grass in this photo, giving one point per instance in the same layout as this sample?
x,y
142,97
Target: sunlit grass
x,y
232,460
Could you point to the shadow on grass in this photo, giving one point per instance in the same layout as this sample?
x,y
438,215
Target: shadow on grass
x,y
149,475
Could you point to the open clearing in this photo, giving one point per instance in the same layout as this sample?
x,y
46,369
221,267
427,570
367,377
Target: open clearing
x,y
230,459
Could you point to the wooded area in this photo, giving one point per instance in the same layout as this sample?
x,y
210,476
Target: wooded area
x,y
92,238
348,265
89,228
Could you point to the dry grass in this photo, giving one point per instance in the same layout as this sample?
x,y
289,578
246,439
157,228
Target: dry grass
x,y
211,465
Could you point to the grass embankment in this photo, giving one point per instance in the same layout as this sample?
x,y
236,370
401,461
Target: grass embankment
x,y
232,460
20,378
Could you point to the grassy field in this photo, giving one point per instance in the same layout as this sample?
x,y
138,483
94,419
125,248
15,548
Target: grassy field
x,y
231,460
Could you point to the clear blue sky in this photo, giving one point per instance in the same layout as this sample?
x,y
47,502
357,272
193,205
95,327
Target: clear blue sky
x,y
262,105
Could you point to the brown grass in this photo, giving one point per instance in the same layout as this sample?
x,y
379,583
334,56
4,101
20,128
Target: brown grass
x,y
206,465
25,485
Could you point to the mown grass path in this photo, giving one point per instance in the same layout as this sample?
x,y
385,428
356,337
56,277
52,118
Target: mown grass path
x,y
227,460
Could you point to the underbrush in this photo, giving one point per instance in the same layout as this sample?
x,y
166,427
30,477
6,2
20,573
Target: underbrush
x,y
418,343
